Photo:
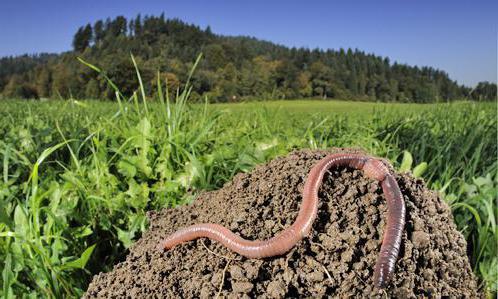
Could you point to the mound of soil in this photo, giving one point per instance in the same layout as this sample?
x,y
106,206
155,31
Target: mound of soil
x,y
336,260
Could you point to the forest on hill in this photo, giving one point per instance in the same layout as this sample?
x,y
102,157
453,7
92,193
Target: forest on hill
x,y
233,68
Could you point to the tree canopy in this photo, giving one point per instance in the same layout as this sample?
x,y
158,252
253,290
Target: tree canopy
x,y
233,68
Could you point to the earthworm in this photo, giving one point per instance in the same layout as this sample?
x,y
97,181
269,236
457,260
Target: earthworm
x,y
286,239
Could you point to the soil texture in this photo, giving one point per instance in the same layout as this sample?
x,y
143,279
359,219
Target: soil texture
x,y
336,260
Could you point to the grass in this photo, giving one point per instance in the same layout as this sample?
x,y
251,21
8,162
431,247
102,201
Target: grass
x,y
78,177
306,106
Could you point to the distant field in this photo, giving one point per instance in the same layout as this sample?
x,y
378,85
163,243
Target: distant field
x,y
78,177
338,106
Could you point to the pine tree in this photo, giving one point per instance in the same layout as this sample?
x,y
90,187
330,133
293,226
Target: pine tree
x,y
82,38
240,66
98,31
138,25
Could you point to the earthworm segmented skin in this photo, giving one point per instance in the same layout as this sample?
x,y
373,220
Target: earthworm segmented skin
x,y
286,239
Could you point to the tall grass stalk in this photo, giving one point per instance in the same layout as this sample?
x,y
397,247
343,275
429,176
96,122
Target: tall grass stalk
x,y
100,166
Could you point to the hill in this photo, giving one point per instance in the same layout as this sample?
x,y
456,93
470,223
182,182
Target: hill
x,y
233,68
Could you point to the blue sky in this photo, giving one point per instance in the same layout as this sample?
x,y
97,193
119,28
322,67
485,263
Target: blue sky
x,y
459,37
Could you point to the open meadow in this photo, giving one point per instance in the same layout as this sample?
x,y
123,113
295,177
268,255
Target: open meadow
x,y
179,149
77,177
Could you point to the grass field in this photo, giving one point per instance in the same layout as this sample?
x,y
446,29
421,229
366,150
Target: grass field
x,y
78,177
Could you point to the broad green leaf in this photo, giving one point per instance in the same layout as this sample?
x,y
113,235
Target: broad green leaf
x,y
142,164
143,140
192,172
125,237
470,189
20,221
406,163
58,248
19,258
139,195
137,222
127,169
55,198
81,104
80,263
419,169
83,232
263,146
67,205
481,181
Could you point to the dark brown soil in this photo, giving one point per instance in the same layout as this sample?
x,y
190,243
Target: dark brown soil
x,y
336,260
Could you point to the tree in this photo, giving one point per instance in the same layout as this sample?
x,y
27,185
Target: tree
x,y
117,27
484,91
43,82
122,72
304,84
208,30
214,56
92,90
233,66
425,93
285,77
137,25
64,81
321,78
228,83
82,38
17,88
352,82
98,31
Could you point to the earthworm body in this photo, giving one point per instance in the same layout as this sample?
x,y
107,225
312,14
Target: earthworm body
x,y
286,239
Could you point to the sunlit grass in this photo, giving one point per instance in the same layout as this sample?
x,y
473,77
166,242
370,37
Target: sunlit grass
x,y
77,177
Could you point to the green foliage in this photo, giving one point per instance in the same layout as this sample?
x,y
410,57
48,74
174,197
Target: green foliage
x,y
82,38
235,68
76,178
484,91
475,210
16,88
446,139
406,165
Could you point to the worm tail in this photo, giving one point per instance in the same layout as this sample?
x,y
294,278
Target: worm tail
x,y
392,236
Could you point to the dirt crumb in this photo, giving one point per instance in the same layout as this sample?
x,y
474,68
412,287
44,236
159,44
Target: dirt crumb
x,y
242,287
420,239
337,260
276,289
